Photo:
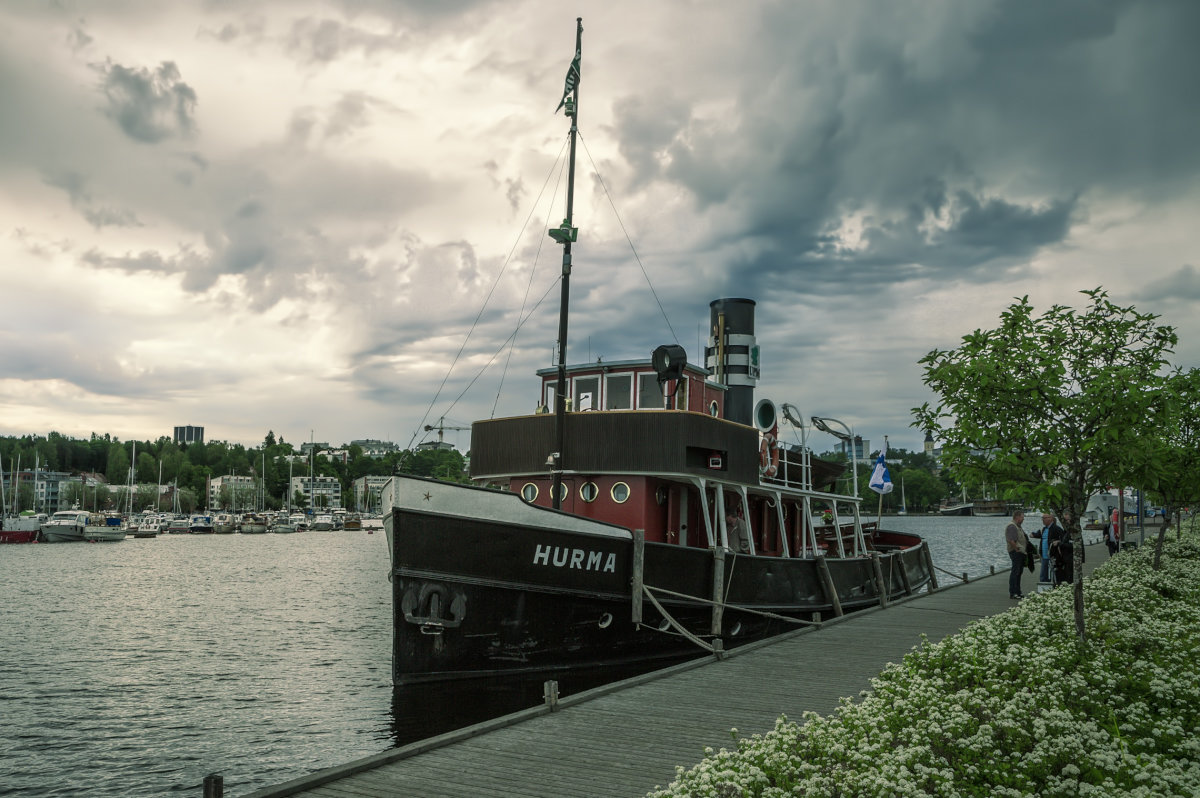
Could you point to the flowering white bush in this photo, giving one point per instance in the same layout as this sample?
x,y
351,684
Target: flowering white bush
x,y
1014,705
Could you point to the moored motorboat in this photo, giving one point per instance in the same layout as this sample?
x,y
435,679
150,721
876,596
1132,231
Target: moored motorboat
x,y
282,524
200,524
178,526
253,524
148,527
956,508
103,529
322,523
353,522
224,524
65,526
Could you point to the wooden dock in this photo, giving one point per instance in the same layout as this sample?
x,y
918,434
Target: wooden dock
x,y
623,739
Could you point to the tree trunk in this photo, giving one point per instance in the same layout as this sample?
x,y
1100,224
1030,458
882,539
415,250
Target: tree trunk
x,y
1076,534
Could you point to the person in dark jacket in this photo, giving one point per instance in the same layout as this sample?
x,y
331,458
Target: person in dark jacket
x,y
1048,538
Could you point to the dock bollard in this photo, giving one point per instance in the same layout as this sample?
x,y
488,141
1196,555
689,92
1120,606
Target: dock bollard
x,y
550,692
965,579
992,569
214,785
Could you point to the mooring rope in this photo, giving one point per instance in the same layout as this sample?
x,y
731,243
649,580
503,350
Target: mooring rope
x,y
724,605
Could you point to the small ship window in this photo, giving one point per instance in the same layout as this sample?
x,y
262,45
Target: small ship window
x,y
588,491
620,493
712,408
529,492
562,491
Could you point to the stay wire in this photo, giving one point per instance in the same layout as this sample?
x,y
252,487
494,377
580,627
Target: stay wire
x,y
483,307
512,336
529,285
632,248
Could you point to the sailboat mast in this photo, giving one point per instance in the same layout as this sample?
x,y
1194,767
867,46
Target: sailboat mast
x,y
566,236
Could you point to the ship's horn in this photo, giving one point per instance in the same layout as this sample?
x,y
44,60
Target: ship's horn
x,y
766,415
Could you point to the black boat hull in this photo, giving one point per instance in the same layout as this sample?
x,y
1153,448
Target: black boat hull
x,y
484,598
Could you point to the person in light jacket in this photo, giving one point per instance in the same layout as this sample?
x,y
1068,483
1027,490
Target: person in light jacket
x,y
1015,540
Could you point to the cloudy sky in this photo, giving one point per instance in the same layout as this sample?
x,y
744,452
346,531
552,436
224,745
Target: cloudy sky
x,y
259,215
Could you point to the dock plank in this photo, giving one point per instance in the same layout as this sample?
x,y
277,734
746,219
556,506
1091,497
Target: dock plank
x,y
623,740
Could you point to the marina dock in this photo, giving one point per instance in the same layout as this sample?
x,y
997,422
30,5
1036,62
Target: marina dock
x,y
624,739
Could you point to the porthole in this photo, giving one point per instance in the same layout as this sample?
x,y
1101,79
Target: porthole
x,y
620,493
664,625
588,491
562,491
660,495
529,492
712,408
736,630
605,620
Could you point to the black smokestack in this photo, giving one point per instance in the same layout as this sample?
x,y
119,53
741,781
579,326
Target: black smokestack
x,y
732,355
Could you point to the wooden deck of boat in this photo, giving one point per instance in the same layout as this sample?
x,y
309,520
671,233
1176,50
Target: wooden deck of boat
x,y
626,738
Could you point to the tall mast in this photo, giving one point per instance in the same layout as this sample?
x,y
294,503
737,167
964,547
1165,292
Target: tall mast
x,y
566,236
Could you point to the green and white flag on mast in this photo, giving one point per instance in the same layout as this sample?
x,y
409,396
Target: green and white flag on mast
x,y
571,82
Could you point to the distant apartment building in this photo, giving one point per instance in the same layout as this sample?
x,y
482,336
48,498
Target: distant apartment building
x,y
232,492
373,448
44,486
366,492
318,492
189,434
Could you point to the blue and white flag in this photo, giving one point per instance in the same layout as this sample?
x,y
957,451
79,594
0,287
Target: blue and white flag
x,y
571,82
881,480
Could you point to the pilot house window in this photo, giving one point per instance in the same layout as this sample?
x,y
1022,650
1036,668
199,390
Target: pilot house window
x,y
618,392
650,395
587,393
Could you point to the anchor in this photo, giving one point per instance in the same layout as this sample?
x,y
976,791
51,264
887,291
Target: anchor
x,y
431,601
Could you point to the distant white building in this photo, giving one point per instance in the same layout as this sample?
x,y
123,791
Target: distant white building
x,y
335,455
318,491
366,492
376,449
241,494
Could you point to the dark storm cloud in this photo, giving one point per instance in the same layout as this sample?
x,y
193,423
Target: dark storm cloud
x,y
961,155
81,199
144,261
58,355
148,106
323,40
1182,285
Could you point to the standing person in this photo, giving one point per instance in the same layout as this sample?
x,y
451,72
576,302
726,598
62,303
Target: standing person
x,y
1015,540
738,530
1112,532
1048,538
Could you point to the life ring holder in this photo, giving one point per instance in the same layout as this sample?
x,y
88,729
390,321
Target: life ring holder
x,y
768,453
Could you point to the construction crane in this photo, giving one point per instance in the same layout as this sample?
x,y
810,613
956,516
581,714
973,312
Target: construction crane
x,y
441,428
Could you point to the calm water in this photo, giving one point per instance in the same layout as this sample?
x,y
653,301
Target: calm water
x,y
135,668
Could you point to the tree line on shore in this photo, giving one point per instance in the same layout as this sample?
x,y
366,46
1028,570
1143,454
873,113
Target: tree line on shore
x,y
190,466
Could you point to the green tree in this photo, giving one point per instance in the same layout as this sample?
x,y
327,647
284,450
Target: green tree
x,y
1177,451
145,497
117,472
1050,408
147,467
70,494
922,489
